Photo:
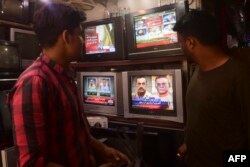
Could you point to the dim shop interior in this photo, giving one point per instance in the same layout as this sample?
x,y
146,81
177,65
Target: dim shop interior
x,y
120,54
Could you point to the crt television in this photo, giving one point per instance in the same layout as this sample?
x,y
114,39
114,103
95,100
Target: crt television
x,y
28,43
15,10
10,58
101,92
153,94
103,39
150,32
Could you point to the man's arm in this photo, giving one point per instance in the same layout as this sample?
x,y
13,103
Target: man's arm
x,y
28,109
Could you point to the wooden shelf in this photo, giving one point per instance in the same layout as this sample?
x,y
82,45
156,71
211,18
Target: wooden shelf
x,y
161,124
128,62
14,24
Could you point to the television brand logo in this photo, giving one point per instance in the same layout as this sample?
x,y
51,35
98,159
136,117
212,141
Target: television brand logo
x,y
237,158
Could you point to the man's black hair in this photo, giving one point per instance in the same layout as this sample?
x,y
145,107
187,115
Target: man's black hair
x,y
52,19
199,24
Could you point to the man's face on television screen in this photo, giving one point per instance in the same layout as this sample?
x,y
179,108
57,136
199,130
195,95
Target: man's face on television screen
x,y
162,85
141,85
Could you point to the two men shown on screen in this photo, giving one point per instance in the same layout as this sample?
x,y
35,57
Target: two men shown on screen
x,y
153,91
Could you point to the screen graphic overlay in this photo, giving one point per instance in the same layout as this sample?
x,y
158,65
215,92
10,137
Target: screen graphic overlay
x,y
100,39
99,90
155,29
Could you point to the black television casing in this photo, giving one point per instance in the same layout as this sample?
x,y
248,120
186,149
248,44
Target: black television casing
x,y
15,10
119,53
153,51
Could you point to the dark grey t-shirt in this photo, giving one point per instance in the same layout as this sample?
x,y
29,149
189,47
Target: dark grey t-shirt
x,y
218,113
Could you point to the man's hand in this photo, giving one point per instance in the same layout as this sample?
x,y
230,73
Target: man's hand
x,y
182,150
105,155
115,156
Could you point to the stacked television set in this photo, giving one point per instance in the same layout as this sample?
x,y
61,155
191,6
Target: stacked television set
x,y
10,57
28,45
114,93
103,39
149,33
101,92
153,94
15,10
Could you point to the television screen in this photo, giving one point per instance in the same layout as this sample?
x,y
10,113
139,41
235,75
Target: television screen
x,y
9,53
100,39
28,45
99,90
15,10
9,57
103,39
155,29
154,94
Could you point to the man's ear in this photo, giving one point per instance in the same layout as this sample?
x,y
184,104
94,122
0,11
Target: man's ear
x,y
66,36
191,42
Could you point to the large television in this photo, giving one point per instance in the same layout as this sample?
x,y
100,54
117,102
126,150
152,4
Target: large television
x,y
149,32
15,10
103,39
28,43
101,92
10,57
153,94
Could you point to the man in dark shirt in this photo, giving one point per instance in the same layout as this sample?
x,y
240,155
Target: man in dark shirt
x,y
50,127
218,95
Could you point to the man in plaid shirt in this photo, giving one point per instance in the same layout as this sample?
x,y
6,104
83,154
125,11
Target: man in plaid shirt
x,y
50,127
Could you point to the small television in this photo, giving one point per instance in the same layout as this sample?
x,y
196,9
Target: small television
x,y
10,58
149,32
15,10
28,43
101,92
103,39
153,94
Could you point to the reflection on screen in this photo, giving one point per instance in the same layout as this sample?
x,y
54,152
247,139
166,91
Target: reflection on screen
x,y
12,7
29,45
152,92
9,57
99,90
100,39
155,29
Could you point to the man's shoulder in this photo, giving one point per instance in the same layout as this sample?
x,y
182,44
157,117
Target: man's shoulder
x,y
36,70
240,68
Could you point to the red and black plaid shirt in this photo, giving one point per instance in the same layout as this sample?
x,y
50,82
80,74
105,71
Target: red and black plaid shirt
x,y
47,116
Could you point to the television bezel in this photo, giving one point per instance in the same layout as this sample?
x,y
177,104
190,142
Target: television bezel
x,y
119,53
153,51
18,67
25,62
177,97
115,110
24,18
